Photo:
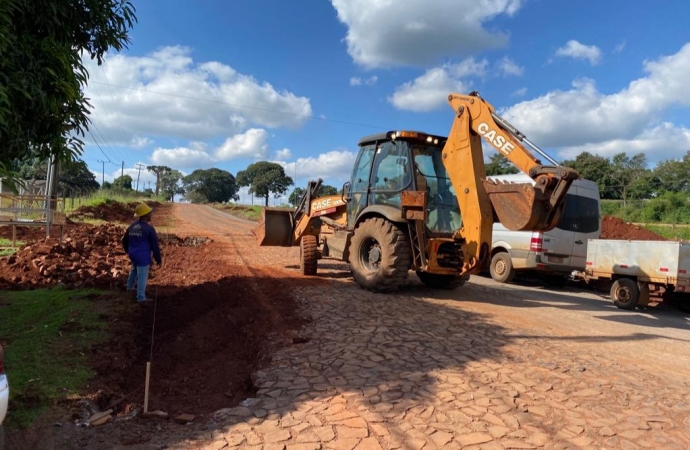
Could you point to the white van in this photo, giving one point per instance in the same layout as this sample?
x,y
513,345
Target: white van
x,y
556,253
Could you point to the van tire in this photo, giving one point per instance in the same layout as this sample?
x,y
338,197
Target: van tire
x,y
625,293
501,268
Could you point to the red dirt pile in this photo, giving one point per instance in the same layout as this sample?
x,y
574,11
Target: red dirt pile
x,y
110,211
88,256
615,228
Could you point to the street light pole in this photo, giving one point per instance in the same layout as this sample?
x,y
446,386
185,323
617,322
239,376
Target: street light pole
x,y
103,173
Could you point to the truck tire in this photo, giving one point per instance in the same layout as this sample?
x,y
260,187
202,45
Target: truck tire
x,y
308,255
625,293
437,281
380,255
501,268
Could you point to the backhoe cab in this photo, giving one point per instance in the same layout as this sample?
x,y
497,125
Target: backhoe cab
x,y
422,202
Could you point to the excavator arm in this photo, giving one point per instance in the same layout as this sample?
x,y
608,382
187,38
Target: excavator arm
x,y
518,206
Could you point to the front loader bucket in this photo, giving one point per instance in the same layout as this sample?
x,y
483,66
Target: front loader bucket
x,y
519,207
275,228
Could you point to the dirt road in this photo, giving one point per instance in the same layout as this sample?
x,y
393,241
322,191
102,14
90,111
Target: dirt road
x,y
484,367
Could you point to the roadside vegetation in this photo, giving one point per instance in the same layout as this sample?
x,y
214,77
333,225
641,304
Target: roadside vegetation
x,y
246,212
47,335
6,248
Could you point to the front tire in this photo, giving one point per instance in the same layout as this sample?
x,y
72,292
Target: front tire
x,y
502,268
380,255
437,281
308,255
625,293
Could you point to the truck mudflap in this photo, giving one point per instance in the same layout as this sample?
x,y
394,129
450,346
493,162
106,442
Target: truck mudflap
x,y
275,228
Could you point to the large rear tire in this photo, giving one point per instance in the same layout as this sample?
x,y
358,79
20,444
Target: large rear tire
x,y
308,255
437,281
380,255
502,268
625,293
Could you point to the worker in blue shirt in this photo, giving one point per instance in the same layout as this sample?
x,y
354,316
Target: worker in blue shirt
x,y
140,241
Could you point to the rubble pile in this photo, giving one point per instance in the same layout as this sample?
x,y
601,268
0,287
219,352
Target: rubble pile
x,y
88,256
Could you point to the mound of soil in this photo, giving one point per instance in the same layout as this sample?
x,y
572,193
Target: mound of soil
x,y
88,256
615,228
110,211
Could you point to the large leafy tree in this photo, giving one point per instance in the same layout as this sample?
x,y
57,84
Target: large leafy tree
x,y
158,171
123,183
170,184
265,178
597,169
211,185
674,175
627,173
73,177
499,165
43,111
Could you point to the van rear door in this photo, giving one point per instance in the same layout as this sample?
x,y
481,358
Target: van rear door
x,y
588,221
558,243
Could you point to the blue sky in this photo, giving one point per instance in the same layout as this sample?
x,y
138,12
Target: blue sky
x,y
227,83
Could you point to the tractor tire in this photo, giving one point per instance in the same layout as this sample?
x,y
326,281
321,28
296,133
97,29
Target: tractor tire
x,y
437,281
501,268
380,255
308,255
625,293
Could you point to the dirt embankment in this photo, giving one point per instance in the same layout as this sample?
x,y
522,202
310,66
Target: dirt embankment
x,y
615,228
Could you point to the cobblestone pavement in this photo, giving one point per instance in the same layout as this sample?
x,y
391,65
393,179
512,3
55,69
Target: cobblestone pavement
x,y
416,370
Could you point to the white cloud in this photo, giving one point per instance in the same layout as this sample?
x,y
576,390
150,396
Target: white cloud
x,y
182,157
335,165
620,47
357,81
430,91
139,142
659,143
384,33
167,93
574,49
507,66
519,93
584,118
251,144
283,154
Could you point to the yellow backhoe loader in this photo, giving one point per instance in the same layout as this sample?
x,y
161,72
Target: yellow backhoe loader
x,y
422,202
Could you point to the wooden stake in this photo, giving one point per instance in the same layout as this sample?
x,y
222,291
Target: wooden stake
x,y
146,388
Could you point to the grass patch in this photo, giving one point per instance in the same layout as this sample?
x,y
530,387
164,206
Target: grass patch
x,y
246,212
6,248
668,232
46,335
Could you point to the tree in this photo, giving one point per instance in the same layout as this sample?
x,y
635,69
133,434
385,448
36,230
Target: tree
x,y
499,165
674,175
43,111
324,190
594,168
123,183
107,185
158,170
74,176
212,185
170,184
296,196
265,178
626,171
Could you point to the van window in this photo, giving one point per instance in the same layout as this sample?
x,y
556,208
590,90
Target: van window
x,y
580,214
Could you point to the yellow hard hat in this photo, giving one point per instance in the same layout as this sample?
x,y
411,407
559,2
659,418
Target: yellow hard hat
x,y
142,210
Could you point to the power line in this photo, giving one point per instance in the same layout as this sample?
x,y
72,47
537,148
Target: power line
x,y
247,107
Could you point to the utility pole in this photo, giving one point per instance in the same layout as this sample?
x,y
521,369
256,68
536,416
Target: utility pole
x,y
122,172
103,176
139,167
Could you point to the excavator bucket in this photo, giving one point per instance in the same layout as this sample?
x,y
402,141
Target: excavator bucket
x,y
275,228
518,206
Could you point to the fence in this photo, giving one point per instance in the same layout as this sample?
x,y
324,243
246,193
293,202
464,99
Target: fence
x,y
31,210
